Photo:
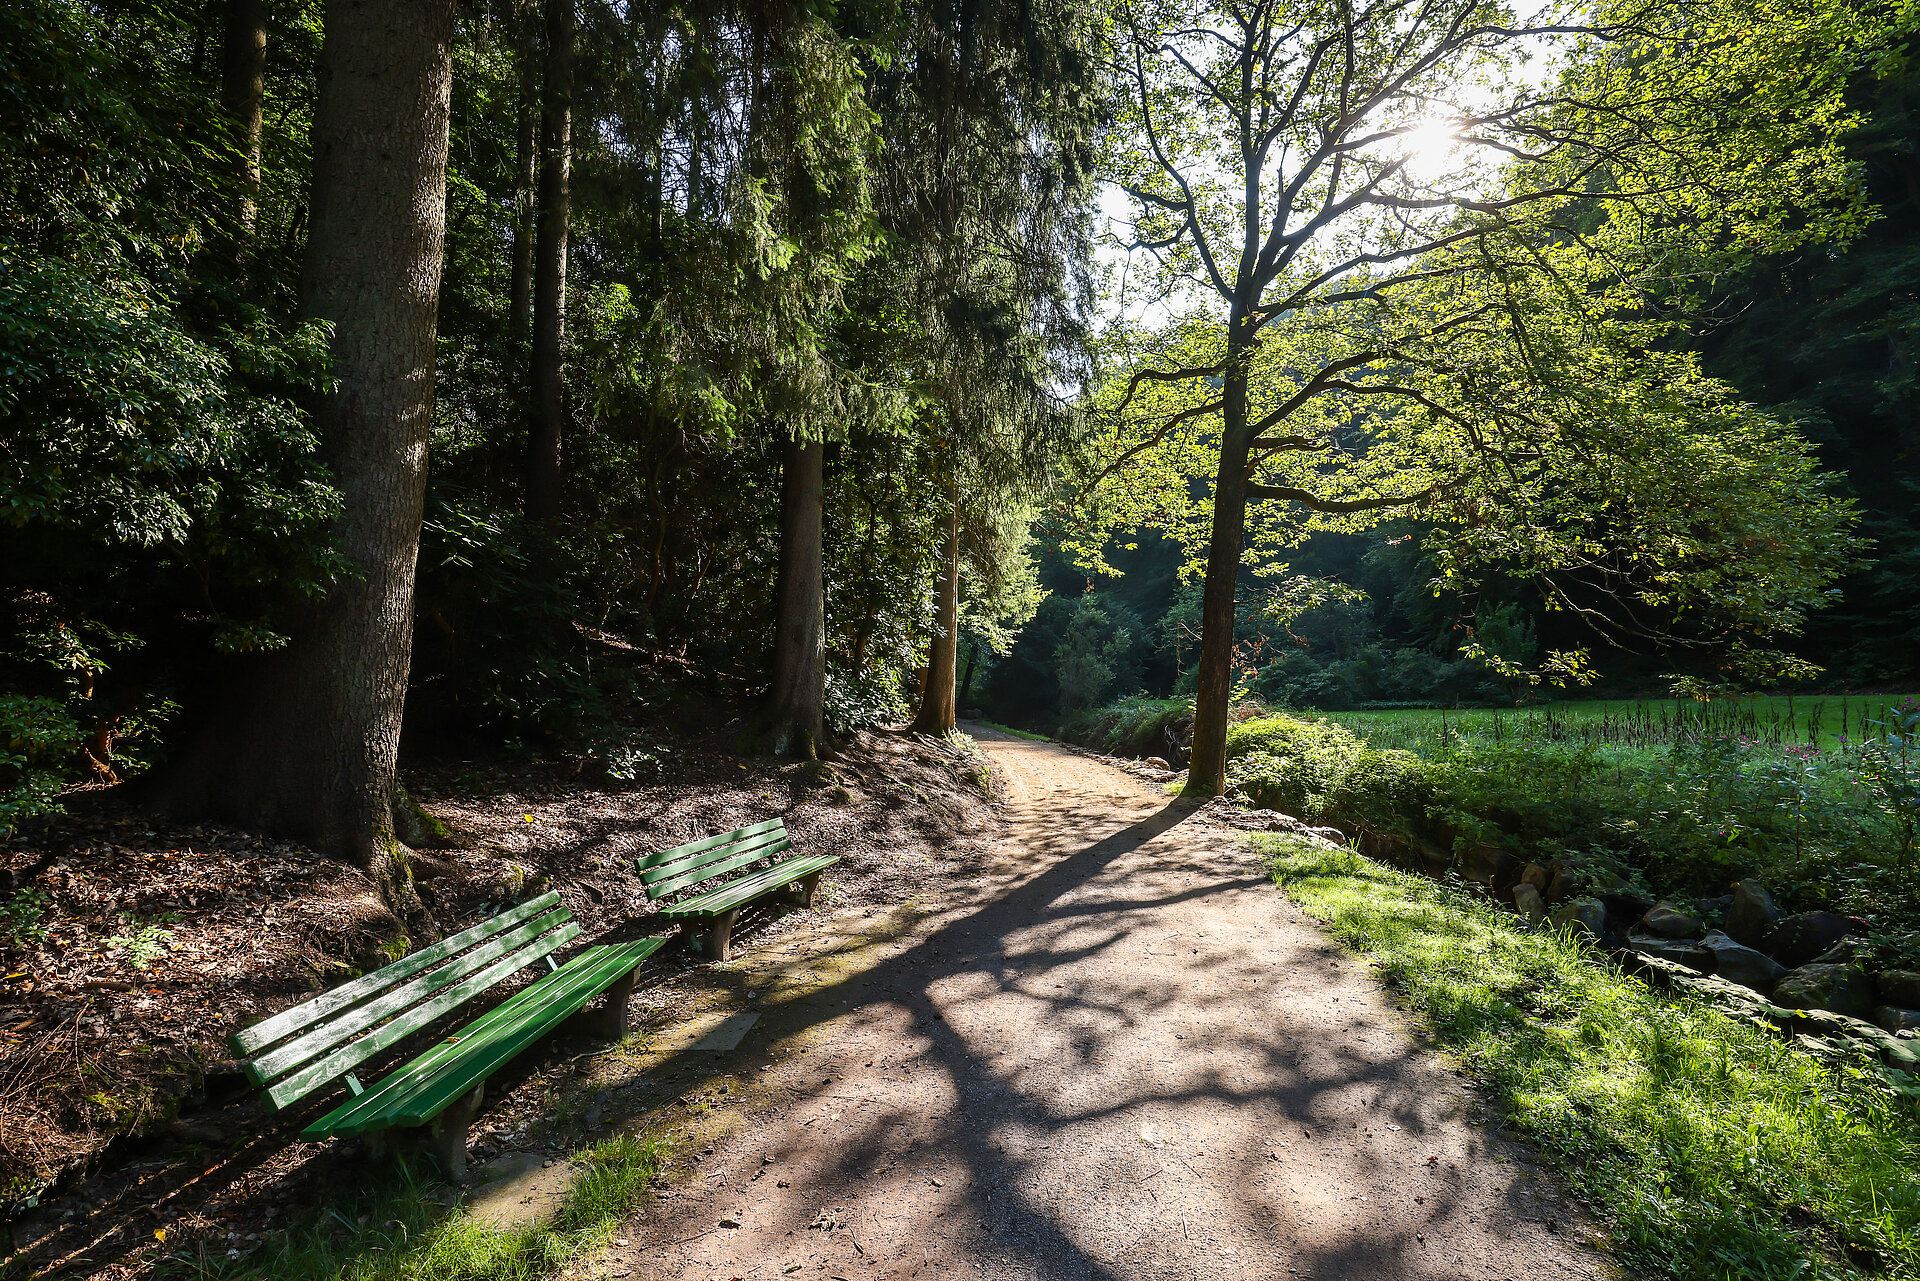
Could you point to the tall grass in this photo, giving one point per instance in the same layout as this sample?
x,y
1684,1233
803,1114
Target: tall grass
x,y
1711,1149
1768,721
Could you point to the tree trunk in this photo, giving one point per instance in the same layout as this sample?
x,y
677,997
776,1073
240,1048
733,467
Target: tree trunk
x,y
936,700
525,160
796,707
1207,765
306,740
550,266
243,85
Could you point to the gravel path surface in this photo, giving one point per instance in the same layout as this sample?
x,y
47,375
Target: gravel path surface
x,y
1119,1054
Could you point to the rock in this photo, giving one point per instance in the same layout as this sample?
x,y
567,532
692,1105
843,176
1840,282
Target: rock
x,y
1535,875
1751,915
1896,1020
1715,909
1580,914
1669,922
1158,762
1841,953
1740,964
1530,903
1685,952
1900,987
1798,939
1626,904
1839,988
1566,882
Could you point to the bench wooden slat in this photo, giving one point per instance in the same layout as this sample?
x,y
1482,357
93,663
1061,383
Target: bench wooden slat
x,y
595,977
357,1114
678,862
362,1017
660,857
304,1082
747,888
471,1053
287,1022
730,861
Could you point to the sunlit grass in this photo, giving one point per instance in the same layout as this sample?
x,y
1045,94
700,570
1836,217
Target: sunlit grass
x,y
1711,1149
1773,720
399,1230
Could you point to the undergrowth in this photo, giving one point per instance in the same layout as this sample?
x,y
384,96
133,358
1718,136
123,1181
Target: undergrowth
x,y
401,1231
1711,1149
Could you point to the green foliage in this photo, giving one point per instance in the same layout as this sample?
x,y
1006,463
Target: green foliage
x,y
1091,657
37,739
1136,726
1708,1147
146,941
1890,761
21,919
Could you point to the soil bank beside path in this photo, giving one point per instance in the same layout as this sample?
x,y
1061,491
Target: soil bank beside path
x,y
1123,1054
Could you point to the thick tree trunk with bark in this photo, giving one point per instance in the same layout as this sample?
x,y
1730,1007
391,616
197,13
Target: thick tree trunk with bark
x,y
243,86
305,741
795,716
936,699
1207,765
550,266
525,166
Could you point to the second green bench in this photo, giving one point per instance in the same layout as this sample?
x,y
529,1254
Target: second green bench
x,y
713,910
300,1050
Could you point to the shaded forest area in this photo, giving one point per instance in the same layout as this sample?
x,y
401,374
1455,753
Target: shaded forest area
x,y
709,272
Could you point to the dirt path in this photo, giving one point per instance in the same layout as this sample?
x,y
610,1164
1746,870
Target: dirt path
x,y
1126,1056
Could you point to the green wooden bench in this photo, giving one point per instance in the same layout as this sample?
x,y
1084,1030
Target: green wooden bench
x,y
436,1096
713,911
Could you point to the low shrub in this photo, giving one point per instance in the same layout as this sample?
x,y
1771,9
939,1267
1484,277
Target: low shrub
x,y
1136,726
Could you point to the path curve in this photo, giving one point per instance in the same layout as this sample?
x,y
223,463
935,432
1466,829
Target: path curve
x,y
1126,1057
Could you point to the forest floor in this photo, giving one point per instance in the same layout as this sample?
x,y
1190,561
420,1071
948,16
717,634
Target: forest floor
x,y
1118,1051
125,1130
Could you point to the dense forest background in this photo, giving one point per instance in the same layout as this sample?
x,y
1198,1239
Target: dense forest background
x,y
1826,336
707,268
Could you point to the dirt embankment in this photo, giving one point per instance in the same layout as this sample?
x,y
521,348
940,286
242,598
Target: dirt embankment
x,y
153,943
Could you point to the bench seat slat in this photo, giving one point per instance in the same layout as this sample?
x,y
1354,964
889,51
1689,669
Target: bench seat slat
x,y
347,1119
747,888
660,858
294,1053
503,1046
422,1088
326,1005
731,862
353,1053
678,869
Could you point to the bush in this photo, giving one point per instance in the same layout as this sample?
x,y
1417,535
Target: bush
x,y
1137,726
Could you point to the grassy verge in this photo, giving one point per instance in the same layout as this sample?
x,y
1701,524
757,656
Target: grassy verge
x,y
1017,733
1710,1148
403,1232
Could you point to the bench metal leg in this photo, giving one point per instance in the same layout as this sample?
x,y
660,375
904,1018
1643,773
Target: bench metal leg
x,y
808,886
718,943
446,1137
609,1022
442,1141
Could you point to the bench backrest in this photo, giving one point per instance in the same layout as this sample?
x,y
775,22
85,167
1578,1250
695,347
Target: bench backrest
x,y
683,865
298,1050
